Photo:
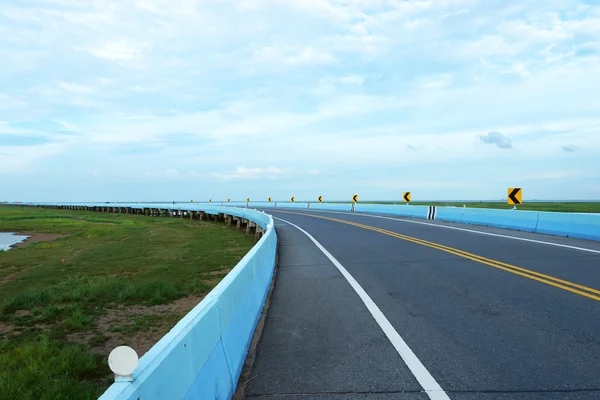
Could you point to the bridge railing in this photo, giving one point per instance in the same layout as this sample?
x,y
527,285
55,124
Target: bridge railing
x,y
574,225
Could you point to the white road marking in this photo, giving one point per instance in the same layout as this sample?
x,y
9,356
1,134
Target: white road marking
x,y
399,219
427,382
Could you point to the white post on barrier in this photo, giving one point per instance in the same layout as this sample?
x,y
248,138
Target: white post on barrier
x,y
123,360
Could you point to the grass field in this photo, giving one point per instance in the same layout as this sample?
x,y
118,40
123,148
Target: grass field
x,y
98,281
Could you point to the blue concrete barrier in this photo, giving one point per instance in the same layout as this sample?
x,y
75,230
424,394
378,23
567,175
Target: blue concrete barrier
x,y
508,219
399,210
581,226
450,214
331,206
311,206
203,355
293,205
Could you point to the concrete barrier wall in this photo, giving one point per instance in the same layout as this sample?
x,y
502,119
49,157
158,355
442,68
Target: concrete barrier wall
x,y
451,214
583,226
312,206
203,355
508,219
399,210
330,206
575,225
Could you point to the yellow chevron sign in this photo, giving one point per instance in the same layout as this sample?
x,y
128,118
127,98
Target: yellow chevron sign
x,y
355,198
229,200
515,196
320,199
210,200
270,199
292,199
248,199
406,197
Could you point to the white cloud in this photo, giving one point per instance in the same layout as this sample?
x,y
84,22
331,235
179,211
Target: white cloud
x,y
351,80
310,56
9,102
244,173
67,125
435,82
168,173
75,88
119,52
291,55
551,175
413,25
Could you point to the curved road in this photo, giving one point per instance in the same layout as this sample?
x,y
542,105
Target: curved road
x,y
378,307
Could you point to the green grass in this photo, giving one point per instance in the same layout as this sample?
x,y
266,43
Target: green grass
x,y
579,207
44,368
52,293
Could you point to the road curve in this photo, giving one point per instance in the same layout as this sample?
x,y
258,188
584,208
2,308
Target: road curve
x,y
486,313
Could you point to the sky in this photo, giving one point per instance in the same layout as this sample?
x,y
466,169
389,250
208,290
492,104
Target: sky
x,y
160,100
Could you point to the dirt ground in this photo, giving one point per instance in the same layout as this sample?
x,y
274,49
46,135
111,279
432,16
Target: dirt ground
x,y
35,238
142,340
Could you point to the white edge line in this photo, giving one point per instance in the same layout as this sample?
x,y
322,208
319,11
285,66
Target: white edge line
x,y
427,382
400,219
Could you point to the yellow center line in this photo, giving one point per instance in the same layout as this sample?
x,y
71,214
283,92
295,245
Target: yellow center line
x,y
537,276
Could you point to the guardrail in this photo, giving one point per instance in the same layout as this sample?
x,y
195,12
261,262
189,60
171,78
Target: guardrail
x,y
202,356
574,225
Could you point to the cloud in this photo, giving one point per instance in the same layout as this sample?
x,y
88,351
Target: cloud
x,y
569,148
410,147
244,173
119,52
351,80
75,88
498,139
68,126
550,175
167,173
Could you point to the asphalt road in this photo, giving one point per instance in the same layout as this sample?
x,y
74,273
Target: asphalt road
x,y
488,316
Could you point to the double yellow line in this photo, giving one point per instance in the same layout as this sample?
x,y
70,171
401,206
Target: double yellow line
x,y
536,276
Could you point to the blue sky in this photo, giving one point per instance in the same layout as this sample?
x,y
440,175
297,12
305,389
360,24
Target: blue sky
x,y
180,99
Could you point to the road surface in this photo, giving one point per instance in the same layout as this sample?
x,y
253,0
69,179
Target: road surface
x,y
375,307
